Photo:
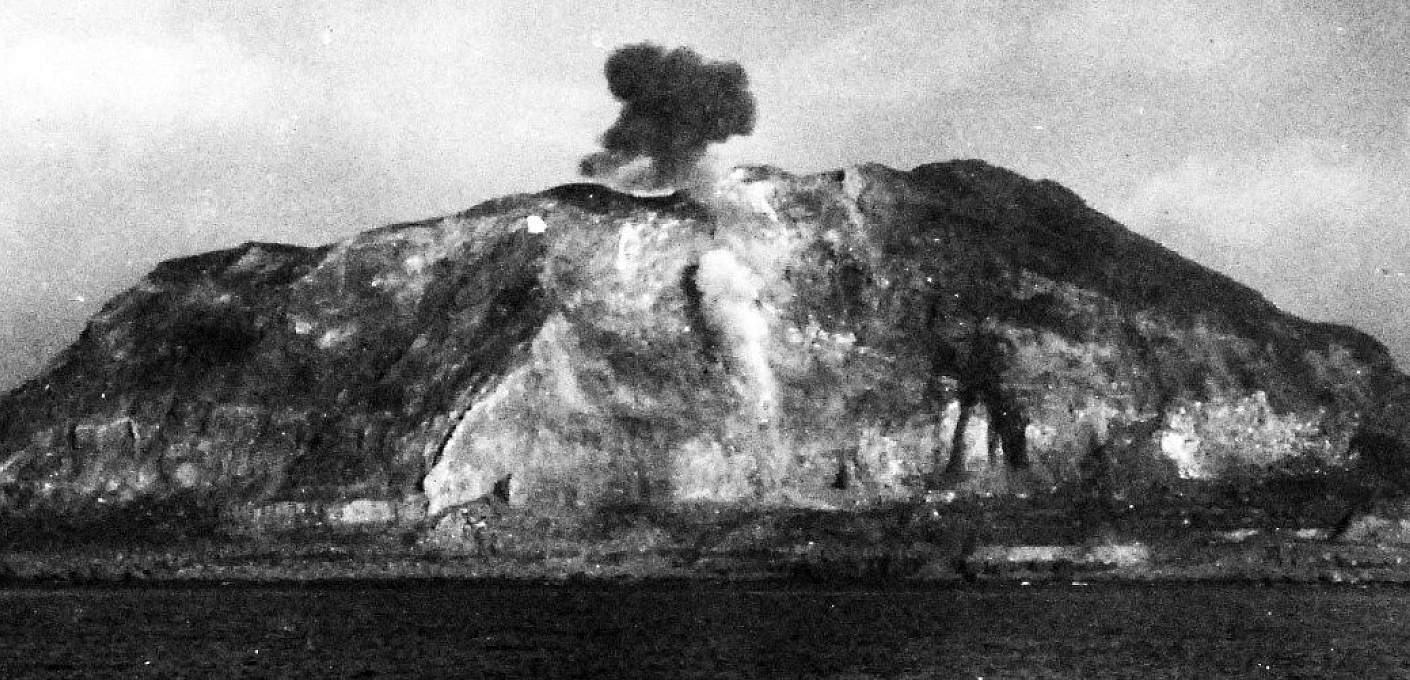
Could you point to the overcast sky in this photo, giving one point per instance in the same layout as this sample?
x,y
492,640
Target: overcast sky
x,y
1268,141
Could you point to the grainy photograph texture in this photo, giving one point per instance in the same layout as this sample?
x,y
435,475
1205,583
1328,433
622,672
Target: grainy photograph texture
x,y
896,339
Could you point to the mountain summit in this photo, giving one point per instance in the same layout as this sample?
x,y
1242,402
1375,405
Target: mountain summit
x,y
850,337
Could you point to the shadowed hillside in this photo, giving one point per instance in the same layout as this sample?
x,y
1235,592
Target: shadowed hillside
x,y
853,337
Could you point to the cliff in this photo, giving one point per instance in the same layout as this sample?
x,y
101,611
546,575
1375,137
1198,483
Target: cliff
x,y
777,340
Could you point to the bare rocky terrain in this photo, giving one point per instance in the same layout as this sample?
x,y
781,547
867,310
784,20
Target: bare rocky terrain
x,y
953,372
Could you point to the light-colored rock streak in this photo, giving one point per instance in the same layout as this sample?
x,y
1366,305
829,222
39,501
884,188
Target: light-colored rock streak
x,y
472,459
629,248
731,300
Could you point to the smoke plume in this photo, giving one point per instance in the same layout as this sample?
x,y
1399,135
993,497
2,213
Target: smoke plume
x,y
731,302
674,105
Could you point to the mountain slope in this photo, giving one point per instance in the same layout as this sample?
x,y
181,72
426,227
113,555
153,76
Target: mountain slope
x,y
780,339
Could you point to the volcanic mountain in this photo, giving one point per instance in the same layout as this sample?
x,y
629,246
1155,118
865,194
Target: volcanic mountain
x,y
850,337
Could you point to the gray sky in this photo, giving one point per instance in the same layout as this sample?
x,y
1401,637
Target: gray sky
x,y
1269,139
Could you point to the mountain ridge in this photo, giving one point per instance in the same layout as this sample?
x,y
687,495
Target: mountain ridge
x,y
772,338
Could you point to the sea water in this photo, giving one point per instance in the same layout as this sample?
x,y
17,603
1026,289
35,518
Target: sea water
x,y
458,630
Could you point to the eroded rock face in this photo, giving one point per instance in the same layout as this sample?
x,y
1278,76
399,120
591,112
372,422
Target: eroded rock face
x,y
783,340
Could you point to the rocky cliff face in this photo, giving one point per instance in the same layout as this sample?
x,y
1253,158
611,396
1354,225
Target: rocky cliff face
x,y
855,336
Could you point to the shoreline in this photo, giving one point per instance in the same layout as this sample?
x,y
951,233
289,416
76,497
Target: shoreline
x,y
1050,541
683,584
1257,563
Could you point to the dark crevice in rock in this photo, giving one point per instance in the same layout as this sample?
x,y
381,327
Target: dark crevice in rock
x,y
501,489
902,293
695,314
843,480
981,384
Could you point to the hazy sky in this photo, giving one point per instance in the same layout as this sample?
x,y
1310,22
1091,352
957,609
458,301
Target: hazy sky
x,y
1267,139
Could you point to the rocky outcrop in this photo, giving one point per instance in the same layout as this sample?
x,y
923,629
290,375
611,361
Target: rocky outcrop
x,y
855,336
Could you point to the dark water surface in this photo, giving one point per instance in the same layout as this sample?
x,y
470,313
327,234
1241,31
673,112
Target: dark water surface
x,y
469,631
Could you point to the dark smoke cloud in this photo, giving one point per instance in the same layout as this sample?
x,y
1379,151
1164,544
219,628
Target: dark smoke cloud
x,y
674,105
